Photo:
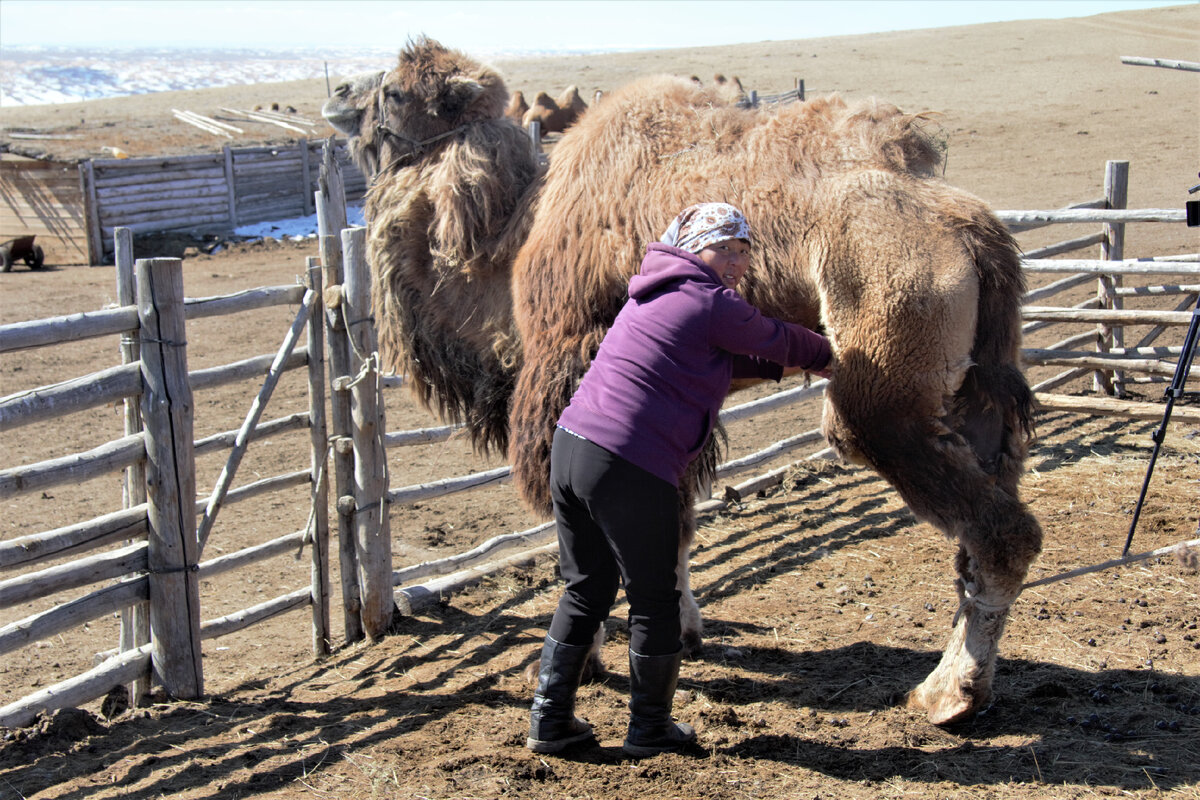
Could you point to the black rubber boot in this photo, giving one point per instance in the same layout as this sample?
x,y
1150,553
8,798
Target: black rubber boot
x,y
552,721
651,693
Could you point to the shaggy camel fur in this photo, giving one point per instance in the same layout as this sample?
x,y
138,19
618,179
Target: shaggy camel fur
x,y
916,283
448,204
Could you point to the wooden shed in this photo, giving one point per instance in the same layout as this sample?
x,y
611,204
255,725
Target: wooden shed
x,y
45,198
74,207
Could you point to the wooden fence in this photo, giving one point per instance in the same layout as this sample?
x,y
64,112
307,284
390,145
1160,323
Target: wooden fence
x,y
1104,320
164,561
154,576
42,198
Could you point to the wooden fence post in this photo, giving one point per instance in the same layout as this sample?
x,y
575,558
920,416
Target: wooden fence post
x,y
306,173
319,526
331,219
167,412
95,236
230,186
371,527
1116,194
135,622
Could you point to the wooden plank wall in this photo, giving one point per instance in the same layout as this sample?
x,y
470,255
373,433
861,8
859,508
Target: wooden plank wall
x,y
212,192
74,208
155,194
44,199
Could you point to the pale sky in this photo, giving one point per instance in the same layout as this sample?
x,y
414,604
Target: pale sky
x,y
478,25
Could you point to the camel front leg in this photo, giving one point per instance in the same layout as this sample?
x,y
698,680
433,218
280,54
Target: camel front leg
x,y
961,685
689,610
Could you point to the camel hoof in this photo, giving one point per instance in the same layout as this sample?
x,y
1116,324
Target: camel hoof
x,y
593,670
947,708
693,645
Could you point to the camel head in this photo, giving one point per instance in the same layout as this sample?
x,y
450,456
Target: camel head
x,y
351,111
452,182
395,118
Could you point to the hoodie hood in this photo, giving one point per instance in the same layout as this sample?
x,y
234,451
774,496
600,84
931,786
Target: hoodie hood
x,y
664,265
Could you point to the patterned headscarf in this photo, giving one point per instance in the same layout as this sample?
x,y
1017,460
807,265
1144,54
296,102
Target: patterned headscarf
x,y
703,224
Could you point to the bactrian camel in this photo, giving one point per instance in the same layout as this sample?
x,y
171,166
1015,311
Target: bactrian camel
x,y
495,283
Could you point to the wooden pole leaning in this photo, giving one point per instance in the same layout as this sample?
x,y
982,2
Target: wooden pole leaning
x,y
167,412
331,219
318,528
371,527
242,440
135,619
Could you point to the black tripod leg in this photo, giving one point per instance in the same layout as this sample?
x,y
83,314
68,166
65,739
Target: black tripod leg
x,y
1182,368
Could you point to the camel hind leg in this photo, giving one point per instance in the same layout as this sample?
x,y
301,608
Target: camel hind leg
x,y
996,543
961,684
963,480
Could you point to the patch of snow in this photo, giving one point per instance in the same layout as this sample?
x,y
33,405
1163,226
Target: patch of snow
x,y
296,228
37,75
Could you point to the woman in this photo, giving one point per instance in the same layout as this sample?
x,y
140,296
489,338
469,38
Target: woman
x,y
643,411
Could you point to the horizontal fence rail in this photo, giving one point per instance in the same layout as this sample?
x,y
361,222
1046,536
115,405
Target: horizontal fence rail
x,y
90,324
1124,267
1108,215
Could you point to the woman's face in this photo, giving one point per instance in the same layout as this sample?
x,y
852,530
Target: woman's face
x,y
729,258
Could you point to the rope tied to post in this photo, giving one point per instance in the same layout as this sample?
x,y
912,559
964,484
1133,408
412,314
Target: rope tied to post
x,y
370,366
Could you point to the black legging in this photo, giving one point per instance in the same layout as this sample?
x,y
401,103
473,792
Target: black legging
x,y
615,521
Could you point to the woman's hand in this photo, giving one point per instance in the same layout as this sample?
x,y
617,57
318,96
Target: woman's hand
x,y
825,373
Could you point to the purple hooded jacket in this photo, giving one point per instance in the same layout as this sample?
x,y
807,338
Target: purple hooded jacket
x,y
652,394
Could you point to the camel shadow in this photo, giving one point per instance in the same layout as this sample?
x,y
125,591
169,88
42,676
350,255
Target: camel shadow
x,y
231,747
1050,723
1122,728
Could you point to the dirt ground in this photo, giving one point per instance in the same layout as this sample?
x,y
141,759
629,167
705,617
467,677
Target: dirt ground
x,y
824,599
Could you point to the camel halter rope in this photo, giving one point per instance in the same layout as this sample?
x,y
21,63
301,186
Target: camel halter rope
x,y
417,146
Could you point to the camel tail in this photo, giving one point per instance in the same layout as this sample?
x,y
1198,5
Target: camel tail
x,y
544,388
994,403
